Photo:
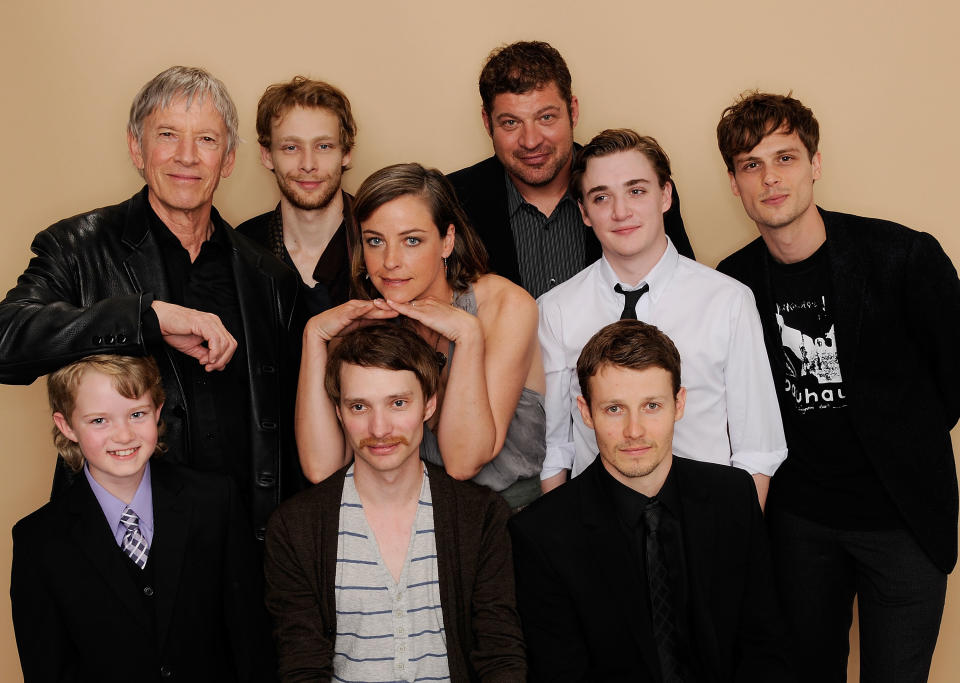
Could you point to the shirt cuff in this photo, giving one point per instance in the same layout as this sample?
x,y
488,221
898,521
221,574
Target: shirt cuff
x,y
558,458
759,462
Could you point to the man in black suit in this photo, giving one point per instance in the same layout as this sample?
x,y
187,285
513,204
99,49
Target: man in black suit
x,y
518,199
647,567
140,571
162,273
861,321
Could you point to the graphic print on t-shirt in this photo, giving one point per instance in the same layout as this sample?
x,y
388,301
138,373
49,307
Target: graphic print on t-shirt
x,y
810,354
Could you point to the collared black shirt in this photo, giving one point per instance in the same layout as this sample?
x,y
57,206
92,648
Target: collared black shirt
x,y
629,505
217,402
550,249
332,272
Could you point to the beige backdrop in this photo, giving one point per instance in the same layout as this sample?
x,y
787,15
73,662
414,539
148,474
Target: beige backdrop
x,y
880,76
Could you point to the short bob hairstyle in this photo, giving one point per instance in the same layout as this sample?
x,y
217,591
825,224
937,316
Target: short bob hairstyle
x,y
755,115
131,376
612,141
386,345
628,344
280,98
190,83
466,263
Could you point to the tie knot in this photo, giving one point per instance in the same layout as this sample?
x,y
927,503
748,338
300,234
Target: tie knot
x,y
129,519
631,298
651,516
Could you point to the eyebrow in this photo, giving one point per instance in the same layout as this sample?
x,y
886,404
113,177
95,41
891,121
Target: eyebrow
x,y
538,112
754,157
627,183
410,231
391,397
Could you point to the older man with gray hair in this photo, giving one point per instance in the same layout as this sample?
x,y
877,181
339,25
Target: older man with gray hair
x,y
162,273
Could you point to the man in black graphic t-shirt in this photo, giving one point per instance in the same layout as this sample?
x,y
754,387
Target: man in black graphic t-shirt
x,y
862,325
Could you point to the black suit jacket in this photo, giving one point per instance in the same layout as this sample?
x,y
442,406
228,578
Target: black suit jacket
x,y
80,615
482,192
583,613
897,317
86,291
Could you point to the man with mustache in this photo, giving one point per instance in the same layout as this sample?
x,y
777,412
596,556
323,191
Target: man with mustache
x,y
647,567
306,132
861,320
518,199
390,569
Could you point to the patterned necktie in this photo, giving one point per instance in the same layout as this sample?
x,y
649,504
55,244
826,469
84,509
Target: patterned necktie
x,y
631,299
134,544
661,597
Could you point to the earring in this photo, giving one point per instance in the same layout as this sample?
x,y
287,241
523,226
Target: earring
x,y
444,264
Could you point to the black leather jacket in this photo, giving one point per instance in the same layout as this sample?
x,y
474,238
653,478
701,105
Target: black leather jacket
x,y
86,290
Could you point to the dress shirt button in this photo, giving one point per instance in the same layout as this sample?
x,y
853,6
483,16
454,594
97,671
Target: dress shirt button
x,y
166,672
210,436
268,369
266,479
148,591
268,425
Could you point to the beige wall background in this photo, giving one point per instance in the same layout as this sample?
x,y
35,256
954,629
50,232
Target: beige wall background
x,y
880,76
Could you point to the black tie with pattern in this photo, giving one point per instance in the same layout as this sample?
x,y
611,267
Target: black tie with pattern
x,y
661,598
631,298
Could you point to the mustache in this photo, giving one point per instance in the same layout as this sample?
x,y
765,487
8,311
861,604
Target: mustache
x,y
370,441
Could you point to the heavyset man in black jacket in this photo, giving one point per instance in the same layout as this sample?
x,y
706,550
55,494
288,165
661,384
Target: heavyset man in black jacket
x,y
163,273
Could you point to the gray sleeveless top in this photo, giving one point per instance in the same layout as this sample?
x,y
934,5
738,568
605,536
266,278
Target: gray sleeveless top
x,y
525,446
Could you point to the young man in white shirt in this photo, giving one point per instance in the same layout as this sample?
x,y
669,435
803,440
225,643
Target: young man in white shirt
x,y
621,182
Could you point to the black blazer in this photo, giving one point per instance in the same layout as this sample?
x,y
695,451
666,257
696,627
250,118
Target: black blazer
x,y
482,192
897,317
584,617
85,291
76,602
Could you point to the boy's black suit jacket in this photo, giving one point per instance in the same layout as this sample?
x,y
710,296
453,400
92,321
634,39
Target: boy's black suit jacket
x,y
81,614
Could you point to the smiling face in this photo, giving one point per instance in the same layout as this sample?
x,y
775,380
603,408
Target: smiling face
x,y
182,155
774,180
116,434
532,134
382,412
633,413
306,156
403,250
624,204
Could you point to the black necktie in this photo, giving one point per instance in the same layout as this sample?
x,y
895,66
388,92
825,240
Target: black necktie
x,y
661,597
631,299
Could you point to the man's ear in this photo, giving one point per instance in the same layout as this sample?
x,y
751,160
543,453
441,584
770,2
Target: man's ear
x,y
585,411
816,161
228,161
583,215
265,158
733,184
60,420
666,197
487,123
574,111
681,403
430,407
136,154
339,416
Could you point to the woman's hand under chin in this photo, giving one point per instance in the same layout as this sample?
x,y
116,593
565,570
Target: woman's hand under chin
x,y
447,320
341,319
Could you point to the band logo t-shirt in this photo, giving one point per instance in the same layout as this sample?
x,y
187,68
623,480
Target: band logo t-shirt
x,y
827,476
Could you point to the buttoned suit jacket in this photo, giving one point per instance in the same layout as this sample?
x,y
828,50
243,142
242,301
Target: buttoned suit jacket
x,y
896,305
86,290
482,192
583,613
79,614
